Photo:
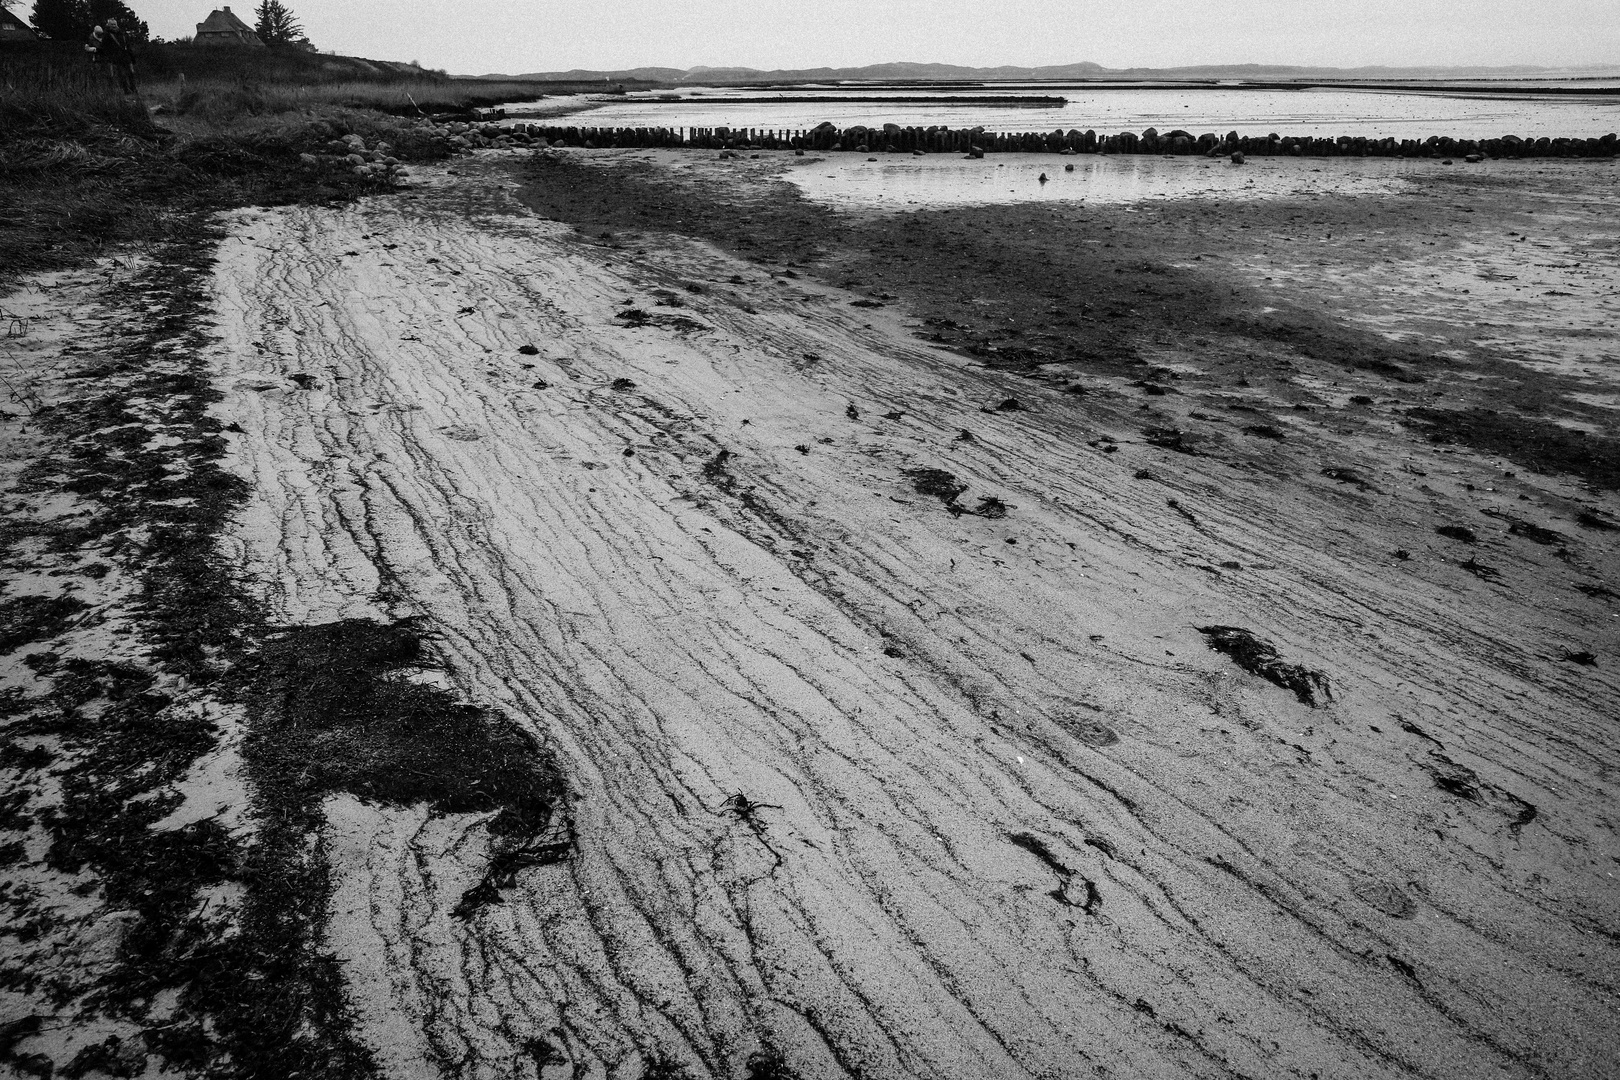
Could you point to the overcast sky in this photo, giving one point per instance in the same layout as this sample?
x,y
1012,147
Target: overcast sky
x,y
513,36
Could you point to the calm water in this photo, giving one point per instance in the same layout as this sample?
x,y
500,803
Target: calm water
x,y
1376,114
897,182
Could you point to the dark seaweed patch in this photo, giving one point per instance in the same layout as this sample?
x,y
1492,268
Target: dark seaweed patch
x,y
1480,570
1258,657
1538,445
1453,778
944,486
1169,439
27,619
989,507
1347,476
1536,534
936,483
338,717
717,472
1519,527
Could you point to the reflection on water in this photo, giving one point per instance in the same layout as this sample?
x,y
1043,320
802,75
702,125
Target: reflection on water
x,y
1375,114
903,183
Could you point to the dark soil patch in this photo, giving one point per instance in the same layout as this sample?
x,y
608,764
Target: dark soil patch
x,y
1260,658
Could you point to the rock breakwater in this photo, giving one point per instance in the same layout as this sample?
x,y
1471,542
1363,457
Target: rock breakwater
x,y
891,138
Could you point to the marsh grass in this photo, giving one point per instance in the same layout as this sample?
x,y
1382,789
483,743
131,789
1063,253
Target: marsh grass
x,y
223,102
59,90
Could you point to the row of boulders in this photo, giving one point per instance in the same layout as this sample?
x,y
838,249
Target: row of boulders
x,y
455,135
891,138
375,162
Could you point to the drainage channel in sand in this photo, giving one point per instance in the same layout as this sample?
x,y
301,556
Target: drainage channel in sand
x,y
856,780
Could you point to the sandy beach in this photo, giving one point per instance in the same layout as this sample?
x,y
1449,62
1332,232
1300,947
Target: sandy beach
x,y
1159,639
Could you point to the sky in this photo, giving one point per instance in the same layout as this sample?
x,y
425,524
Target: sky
x,y
471,37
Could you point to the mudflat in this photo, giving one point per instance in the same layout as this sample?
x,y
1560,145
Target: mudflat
x,y
1171,639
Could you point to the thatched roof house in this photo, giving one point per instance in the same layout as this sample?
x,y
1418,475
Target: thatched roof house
x,y
223,28
13,28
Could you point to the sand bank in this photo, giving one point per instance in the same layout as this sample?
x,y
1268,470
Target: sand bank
x,y
863,571
890,790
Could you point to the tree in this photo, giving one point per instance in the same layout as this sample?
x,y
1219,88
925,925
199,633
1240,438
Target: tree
x,y
276,25
71,20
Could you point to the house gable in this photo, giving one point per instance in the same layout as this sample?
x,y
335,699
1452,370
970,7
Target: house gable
x,y
224,28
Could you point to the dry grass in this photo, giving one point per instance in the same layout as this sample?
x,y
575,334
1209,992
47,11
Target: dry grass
x,y
221,102
38,91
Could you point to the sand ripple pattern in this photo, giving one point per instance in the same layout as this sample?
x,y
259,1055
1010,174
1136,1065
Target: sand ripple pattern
x,y
952,870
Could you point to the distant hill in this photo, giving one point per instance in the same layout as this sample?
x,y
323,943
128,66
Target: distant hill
x,y
908,72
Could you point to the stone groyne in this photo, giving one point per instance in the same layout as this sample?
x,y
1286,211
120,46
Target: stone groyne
x,y
891,138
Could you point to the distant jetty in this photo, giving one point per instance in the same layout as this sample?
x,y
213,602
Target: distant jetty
x,y
993,101
893,139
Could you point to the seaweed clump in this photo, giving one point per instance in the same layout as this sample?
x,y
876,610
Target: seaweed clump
x,y
1538,445
945,487
938,484
335,712
1260,658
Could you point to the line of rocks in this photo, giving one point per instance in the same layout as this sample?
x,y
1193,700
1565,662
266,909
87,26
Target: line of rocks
x,y
976,141
374,162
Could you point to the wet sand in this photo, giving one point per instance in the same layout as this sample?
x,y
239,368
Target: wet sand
x,y
1005,813
863,570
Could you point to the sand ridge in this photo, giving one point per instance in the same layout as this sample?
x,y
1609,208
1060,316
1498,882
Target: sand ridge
x,y
1004,814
